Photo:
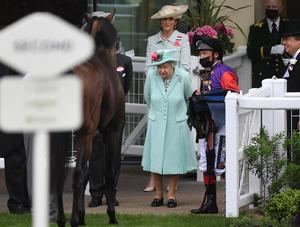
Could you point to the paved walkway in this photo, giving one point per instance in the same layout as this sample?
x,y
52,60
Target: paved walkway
x,y
134,201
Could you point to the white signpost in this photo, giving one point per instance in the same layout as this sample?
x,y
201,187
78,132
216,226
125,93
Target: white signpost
x,y
43,46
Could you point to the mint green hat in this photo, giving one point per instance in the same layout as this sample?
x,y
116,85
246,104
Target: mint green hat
x,y
162,56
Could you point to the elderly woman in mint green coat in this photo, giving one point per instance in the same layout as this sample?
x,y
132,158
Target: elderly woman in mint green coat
x,y
168,148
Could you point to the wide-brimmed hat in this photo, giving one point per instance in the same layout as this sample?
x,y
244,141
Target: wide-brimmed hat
x,y
162,56
208,43
291,28
170,11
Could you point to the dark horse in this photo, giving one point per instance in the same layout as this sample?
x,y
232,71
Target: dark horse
x,y
104,110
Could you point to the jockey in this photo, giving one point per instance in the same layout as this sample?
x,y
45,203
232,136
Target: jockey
x,y
207,115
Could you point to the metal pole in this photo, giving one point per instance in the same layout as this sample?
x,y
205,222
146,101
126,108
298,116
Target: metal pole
x,y
41,179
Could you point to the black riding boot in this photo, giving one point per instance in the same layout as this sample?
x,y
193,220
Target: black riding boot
x,y
209,204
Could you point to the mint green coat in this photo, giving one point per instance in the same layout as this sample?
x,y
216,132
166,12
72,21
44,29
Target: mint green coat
x,y
168,147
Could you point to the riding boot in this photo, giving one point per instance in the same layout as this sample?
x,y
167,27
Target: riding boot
x,y
209,205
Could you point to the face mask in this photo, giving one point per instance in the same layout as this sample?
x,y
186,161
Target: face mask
x,y
271,13
205,62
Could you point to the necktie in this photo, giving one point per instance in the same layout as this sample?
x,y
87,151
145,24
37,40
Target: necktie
x,y
274,28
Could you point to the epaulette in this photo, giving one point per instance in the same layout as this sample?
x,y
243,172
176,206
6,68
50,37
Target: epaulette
x,y
259,24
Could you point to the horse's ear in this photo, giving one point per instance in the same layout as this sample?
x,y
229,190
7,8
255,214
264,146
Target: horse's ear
x,y
111,16
96,26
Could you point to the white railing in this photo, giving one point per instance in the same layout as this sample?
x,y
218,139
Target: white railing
x,y
1,163
238,60
245,114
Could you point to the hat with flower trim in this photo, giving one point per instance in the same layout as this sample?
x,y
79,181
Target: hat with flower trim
x,y
160,57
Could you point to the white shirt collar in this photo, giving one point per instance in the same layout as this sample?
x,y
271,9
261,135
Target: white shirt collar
x,y
296,54
270,22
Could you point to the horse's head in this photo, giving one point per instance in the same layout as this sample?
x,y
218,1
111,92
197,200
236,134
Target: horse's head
x,y
103,32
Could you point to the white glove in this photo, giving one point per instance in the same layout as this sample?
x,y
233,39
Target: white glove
x,y
277,49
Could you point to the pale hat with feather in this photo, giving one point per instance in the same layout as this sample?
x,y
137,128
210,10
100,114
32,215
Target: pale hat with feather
x,y
170,11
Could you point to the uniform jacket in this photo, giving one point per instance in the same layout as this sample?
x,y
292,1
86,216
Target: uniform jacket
x,y
293,81
124,71
168,147
260,41
178,41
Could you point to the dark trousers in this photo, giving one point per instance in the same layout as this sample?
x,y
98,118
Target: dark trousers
x,y
97,168
16,178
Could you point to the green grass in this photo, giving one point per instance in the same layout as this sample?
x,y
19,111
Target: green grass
x,y
94,220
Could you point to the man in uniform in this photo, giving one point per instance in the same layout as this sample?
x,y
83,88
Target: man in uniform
x,y
264,44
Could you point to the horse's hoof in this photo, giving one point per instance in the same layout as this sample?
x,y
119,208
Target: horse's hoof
x,y
61,223
113,222
77,224
81,222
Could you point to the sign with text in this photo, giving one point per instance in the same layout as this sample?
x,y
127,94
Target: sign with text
x,y
34,104
43,44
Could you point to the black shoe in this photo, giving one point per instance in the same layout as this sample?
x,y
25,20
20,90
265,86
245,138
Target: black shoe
x,y
172,203
95,202
19,209
157,202
205,210
210,206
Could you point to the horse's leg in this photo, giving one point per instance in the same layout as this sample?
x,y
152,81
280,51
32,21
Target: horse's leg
x,y
80,178
61,219
59,146
112,164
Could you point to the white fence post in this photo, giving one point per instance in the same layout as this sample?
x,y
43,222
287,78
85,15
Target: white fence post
x,y
272,119
232,164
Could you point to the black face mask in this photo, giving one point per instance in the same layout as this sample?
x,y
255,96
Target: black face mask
x,y
205,62
271,13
